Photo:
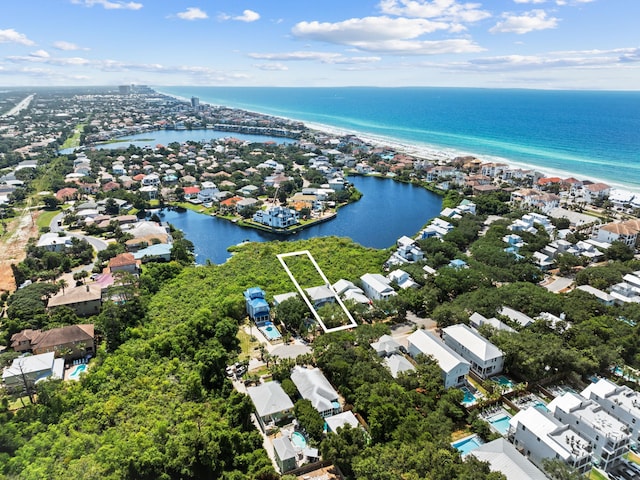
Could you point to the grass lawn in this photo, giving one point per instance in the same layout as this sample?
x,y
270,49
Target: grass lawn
x,y
595,474
632,457
18,403
74,140
44,219
247,346
458,434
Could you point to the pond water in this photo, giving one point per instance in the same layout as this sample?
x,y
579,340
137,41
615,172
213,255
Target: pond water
x,y
386,211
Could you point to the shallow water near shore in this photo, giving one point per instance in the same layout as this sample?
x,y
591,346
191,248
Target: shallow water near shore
x,y
587,134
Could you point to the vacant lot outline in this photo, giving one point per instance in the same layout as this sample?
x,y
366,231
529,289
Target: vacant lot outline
x,y
304,296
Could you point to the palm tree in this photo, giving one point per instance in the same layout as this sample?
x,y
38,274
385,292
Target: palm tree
x,y
62,283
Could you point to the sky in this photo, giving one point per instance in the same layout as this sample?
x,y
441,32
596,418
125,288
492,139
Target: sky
x,y
541,44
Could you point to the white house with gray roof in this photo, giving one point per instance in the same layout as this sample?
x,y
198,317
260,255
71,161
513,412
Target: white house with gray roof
x,y
504,458
386,345
485,358
314,386
540,436
453,366
272,404
376,287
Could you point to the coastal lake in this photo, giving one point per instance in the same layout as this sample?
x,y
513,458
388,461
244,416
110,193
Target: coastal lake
x,y
386,211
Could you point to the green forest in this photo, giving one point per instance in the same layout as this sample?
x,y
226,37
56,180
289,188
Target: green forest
x,y
156,403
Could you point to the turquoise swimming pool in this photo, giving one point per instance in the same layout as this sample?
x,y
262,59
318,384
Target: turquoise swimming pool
x,y
504,381
501,424
468,396
298,440
541,406
77,371
270,331
468,444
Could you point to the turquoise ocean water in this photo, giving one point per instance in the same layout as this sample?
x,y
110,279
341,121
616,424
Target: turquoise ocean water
x,y
587,134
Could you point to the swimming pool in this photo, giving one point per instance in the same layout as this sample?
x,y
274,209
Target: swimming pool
x,y
541,406
501,424
77,371
270,331
468,444
504,381
468,396
298,440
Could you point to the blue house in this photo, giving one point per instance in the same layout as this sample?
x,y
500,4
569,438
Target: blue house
x,y
458,264
257,306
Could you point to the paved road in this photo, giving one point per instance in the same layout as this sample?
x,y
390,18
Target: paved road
x,y
24,103
97,243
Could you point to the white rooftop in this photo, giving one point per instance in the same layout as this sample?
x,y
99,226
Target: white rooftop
x,y
428,344
504,458
474,342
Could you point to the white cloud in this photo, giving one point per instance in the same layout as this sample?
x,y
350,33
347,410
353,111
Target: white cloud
x,y
573,2
447,10
273,67
360,31
110,5
192,13
67,46
11,36
528,22
247,16
40,54
530,1
323,57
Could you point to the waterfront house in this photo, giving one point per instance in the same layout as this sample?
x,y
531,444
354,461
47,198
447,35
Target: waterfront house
x,y
376,287
27,370
625,232
314,386
539,436
256,304
273,406
124,262
484,357
277,217
454,368
160,252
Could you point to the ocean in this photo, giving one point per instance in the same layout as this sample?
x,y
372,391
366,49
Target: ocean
x,y
586,134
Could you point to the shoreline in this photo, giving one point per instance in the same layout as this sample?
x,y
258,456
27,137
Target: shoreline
x,y
427,151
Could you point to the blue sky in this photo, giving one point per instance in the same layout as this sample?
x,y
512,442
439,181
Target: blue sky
x,y
564,44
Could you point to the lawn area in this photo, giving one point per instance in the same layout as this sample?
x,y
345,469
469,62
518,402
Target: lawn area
x,y
44,219
458,434
194,207
595,474
74,140
19,403
247,345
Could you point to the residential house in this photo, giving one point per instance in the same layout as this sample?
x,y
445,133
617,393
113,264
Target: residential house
x,y
385,346
349,291
277,217
603,297
539,436
504,458
320,295
124,262
516,316
407,252
314,386
607,435
191,192
402,279
27,370
595,191
273,406
340,420
485,358
285,455
53,242
160,252
376,287
476,320
397,364
256,304
625,232
453,366
70,342
620,401
83,300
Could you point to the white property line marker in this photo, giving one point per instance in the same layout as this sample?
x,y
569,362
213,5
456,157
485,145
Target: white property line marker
x,y
353,323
